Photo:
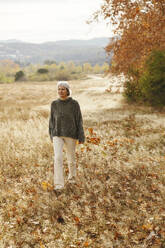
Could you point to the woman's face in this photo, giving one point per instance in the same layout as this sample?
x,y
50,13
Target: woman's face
x,y
62,92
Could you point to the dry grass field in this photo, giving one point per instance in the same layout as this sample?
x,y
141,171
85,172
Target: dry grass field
x,y
119,198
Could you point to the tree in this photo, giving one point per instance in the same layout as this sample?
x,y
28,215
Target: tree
x,y
71,66
87,67
152,82
62,65
42,70
19,75
49,62
78,69
96,68
139,27
9,67
105,67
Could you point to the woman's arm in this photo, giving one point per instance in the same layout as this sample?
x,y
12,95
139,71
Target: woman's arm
x,y
80,129
51,122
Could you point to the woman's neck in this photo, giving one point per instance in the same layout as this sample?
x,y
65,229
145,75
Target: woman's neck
x,y
63,99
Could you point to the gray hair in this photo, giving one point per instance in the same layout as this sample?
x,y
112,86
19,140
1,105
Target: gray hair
x,y
66,85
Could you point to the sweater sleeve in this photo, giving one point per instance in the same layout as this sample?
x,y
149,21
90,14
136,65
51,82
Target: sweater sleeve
x,y
79,120
51,122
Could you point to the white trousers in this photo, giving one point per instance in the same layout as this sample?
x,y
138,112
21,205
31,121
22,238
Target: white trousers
x,y
58,144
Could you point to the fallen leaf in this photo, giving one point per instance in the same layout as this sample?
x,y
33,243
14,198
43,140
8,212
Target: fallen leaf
x,y
86,244
90,129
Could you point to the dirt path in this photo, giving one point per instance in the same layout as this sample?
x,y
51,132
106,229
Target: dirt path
x,y
93,98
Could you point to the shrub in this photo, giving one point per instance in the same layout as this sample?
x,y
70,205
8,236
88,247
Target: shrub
x,y
39,77
5,80
62,75
62,67
132,90
152,82
19,75
42,71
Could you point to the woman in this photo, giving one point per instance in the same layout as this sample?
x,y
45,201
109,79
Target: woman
x,y
65,128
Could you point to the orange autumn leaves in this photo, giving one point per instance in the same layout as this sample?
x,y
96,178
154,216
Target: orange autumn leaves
x,y
46,186
140,26
94,139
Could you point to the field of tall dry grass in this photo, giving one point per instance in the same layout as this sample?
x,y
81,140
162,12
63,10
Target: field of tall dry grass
x,y
119,198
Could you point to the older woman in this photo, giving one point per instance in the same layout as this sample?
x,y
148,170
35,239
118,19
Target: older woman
x,y
65,128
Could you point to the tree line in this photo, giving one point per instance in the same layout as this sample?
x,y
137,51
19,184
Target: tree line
x,y
11,71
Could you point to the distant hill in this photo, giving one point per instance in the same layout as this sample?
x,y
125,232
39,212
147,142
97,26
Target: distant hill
x,y
79,51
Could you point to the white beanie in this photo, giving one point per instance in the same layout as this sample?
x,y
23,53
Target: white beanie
x,y
64,84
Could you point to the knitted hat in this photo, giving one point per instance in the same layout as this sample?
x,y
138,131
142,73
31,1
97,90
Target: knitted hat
x,y
64,84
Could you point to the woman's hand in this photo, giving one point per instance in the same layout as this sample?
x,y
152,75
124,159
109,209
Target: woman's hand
x,y
79,142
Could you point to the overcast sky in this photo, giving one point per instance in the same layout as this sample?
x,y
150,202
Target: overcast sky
x,y
49,20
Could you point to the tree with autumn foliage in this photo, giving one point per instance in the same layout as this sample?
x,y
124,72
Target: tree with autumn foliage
x,y
139,27
8,68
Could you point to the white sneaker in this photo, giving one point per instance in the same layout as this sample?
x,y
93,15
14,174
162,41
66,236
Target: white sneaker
x,y
72,180
58,187
58,190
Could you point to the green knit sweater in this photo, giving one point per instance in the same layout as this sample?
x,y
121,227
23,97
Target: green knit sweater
x,y
66,119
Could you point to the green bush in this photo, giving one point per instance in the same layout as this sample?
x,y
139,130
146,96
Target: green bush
x,y
148,85
152,82
42,71
5,80
132,90
62,67
19,75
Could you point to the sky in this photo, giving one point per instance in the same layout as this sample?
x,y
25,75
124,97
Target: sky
x,y
40,21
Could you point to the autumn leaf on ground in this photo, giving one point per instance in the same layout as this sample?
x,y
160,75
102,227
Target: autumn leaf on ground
x,y
46,186
77,220
148,227
90,130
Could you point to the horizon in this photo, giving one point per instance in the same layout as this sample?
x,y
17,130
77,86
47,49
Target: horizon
x,y
49,41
